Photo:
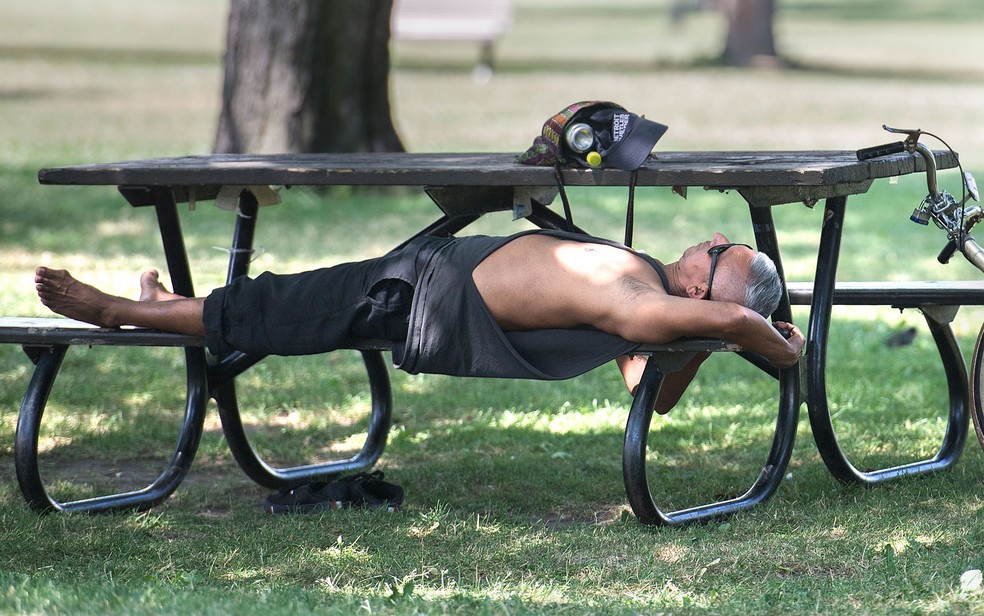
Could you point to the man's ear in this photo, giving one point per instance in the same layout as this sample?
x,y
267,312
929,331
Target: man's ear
x,y
696,291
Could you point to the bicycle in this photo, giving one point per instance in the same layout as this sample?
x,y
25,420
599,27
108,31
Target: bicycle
x,y
955,217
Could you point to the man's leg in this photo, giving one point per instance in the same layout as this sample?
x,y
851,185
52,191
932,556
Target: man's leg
x,y
156,309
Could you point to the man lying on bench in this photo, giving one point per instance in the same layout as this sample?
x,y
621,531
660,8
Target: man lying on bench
x,y
539,304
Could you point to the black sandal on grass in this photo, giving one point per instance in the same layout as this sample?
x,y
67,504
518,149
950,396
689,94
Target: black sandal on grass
x,y
371,492
309,498
362,490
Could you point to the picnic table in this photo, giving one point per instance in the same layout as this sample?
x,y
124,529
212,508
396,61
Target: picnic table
x,y
465,187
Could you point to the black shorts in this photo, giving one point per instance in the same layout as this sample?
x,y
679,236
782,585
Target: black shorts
x,y
316,311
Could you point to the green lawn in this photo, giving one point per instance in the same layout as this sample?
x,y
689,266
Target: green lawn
x,y
515,501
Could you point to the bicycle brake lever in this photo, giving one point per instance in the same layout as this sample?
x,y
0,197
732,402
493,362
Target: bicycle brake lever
x,y
903,131
912,135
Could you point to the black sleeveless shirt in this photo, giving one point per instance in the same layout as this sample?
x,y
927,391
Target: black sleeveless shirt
x,y
451,331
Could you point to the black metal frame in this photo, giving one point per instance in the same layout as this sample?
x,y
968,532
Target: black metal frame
x,y
636,440
48,359
224,370
216,378
977,387
29,425
816,361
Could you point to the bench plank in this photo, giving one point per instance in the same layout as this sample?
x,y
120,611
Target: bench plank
x,y
898,294
690,345
47,331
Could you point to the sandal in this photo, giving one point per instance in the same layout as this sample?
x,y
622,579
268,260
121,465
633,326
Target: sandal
x,y
362,490
309,498
371,492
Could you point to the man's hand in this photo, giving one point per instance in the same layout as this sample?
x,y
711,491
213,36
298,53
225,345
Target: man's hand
x,y
794,338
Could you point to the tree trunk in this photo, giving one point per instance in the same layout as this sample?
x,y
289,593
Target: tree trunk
x,y
307,76
750,41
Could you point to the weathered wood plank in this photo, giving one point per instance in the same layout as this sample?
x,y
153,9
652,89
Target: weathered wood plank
x,y
56,331
902,294
690,345
722,170
43,331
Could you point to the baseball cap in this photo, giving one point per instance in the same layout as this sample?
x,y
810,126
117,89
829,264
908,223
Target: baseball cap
x,y
623,139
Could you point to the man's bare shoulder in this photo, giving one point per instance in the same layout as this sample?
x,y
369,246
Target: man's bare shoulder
x,y
539,281
599,262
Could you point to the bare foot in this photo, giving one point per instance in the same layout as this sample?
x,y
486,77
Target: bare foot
x,y
65,295
151,289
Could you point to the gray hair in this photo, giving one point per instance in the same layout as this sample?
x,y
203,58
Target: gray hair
x,y
763,288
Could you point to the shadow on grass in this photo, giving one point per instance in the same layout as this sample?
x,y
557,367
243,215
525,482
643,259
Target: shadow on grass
x,y
541,448
548,450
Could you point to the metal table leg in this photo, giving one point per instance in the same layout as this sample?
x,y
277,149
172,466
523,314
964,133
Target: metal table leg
x,y
29,425
636,439
172,239
222,375
49,361
281,478
640,417
977,386
816,360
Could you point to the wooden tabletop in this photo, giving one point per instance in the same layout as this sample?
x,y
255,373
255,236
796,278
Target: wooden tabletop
x,y
712,169
763,178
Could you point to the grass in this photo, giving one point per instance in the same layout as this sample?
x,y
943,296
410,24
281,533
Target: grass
x,y
515,499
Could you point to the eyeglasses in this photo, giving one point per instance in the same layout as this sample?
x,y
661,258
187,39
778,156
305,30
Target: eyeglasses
x,y
715,252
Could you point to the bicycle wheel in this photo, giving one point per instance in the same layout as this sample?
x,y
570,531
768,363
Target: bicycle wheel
x,y
977,387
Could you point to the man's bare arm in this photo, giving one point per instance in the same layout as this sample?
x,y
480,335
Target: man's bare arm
x,y
674,383
658,319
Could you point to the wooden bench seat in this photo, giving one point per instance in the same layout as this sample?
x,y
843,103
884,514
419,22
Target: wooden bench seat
x,y
49,331
47,340
46,331
897,294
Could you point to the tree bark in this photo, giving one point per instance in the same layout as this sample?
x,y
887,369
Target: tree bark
x,y
307,76
751,39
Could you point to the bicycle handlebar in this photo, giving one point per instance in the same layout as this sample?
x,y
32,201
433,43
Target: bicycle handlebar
x,y
930,159
973,251
881,150
940,206
911,144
